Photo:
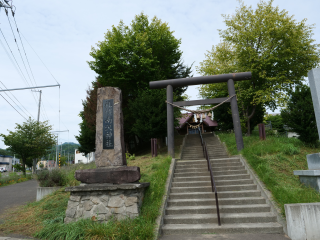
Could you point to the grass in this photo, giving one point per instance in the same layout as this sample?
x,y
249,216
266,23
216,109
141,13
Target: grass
x,y
44,219
13,178
274,161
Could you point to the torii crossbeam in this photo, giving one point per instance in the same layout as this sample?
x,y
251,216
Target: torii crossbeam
x,y
181,82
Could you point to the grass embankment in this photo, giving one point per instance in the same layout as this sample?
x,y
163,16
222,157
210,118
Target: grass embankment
x,y
13,178
274,161
44,219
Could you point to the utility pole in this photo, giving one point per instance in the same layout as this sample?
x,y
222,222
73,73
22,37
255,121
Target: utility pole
x,y
58,144
39,105
36,160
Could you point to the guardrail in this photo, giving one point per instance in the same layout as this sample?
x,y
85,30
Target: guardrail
x,y
213,185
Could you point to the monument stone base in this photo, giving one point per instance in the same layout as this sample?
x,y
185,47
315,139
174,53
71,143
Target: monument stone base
x,y
118,175
311,177
100,202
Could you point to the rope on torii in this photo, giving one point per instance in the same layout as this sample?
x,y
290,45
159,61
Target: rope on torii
x,y
201,111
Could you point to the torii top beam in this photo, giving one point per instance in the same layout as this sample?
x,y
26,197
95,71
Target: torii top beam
x,y
180,82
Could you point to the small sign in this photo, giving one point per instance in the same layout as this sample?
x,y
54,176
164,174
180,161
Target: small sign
x,y
108,127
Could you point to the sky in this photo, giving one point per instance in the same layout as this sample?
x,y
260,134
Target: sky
x,y
62,34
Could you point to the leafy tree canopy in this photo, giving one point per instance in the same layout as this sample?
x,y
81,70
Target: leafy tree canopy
x,y
30,140
299,115
269,43
129,58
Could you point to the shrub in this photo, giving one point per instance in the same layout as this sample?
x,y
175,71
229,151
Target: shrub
x,y
54,178
290,149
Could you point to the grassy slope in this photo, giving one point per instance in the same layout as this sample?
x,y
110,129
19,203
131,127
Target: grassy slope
x,y
274,161
44,219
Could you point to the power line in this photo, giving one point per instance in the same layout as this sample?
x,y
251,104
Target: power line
x,y
13,107
18,46
17,100
14,57
15,103
39,58
23,46
21,72
20,53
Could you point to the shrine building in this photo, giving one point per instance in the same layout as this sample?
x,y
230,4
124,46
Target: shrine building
x,y
189,123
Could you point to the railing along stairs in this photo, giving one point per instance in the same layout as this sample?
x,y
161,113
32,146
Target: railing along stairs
x,y
213,185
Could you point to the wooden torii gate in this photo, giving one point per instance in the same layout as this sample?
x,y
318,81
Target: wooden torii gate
x,y
181,82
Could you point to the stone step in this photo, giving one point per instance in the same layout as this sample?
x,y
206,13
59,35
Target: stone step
x,y
207,178
209,188
272,227
223,209
211,195
205,165
204,161
205,169
226,218
222,201
201,151
215,173
208,183
200,157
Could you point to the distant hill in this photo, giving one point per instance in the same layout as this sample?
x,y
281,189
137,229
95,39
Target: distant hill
x,y
67,147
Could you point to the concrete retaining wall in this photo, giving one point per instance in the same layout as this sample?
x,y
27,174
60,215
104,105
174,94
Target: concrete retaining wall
x,y
303,221
44,191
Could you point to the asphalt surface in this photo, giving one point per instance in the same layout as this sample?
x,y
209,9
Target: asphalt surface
x,y
17,194
227,237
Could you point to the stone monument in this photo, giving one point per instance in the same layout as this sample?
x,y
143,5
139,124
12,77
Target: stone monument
x,y
113,188
311,177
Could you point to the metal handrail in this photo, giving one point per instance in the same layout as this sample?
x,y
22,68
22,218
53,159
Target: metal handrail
x,y
213,185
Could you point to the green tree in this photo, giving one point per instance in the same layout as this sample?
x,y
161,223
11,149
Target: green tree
x,y
129,58
276,122
151,120
31,140
299,115
278,50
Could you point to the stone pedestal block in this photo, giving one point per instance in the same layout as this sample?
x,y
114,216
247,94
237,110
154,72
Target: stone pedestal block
x,y
109,175
313,161
310,178
100,202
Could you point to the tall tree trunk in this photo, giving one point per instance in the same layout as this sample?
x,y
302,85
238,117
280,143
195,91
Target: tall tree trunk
x,y
249,118
34,166
24,167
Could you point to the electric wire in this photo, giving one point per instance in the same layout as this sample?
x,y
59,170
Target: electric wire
x,y
15,103
18,47
23,47
13,106
17,71
17,100
21,72
14,36
44,111
10,58
39,58
24,78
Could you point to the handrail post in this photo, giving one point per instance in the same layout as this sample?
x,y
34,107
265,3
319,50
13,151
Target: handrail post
x,y
213,185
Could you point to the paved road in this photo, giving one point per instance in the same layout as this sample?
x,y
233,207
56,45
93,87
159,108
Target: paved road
x,y
226,237
17,194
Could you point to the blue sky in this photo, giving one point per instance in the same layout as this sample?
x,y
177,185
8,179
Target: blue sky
x,y
63,32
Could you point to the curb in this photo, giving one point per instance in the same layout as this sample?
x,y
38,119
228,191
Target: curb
x,y
159,221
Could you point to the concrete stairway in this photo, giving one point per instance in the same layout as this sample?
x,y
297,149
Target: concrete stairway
x,y
191,206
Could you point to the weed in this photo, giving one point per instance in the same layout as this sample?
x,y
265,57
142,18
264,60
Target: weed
x,y
274,161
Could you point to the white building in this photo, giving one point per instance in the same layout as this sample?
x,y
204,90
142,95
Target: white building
x,y
81,158
6,161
